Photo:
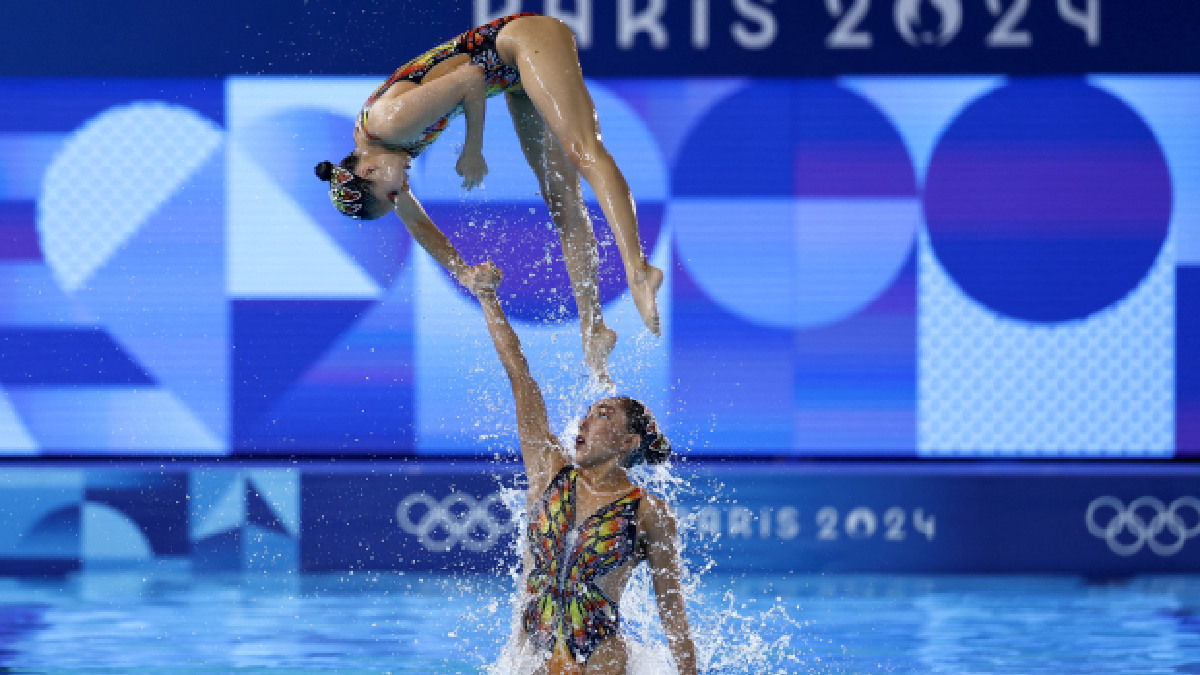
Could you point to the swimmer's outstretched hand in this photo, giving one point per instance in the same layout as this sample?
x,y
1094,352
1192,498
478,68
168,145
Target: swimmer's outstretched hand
x,y
482,279
472,168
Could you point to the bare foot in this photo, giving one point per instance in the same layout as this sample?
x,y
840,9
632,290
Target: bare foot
x,y
644,289
597,345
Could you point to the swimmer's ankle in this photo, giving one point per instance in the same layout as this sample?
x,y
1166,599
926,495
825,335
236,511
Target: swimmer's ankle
x,y
598,342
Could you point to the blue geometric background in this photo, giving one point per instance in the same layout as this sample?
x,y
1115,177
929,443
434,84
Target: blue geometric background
x,y
868,266
407,515
209,518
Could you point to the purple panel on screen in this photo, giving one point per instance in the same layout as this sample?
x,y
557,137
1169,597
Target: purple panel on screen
x,y
1042,189
1187,361
18,231
523,242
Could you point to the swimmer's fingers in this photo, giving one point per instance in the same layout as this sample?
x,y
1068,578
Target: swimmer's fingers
x,y
472,168
470,184
494,274
490,276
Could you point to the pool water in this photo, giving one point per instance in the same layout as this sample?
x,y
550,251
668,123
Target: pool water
x,y
168,622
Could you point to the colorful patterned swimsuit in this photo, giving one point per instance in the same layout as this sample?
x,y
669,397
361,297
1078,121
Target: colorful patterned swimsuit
x,y
567,610
480,44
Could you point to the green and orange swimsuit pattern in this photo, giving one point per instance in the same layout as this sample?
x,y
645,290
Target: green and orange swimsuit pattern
x,y
567,610
480,44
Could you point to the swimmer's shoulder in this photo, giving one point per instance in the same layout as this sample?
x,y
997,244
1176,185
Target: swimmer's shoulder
x,y
655,514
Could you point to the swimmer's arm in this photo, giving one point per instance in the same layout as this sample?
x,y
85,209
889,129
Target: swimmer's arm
x,y
471,165
433,240
539,446
666,572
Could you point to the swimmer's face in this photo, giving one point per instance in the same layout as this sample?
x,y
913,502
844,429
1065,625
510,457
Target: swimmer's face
x,y
387,173
604,434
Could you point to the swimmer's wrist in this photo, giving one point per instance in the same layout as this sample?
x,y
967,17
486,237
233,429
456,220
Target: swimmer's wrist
x,y
490,304
463,273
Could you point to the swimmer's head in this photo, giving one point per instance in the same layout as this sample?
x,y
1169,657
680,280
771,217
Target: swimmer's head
x,y
619,429
654,447
364,186
350,194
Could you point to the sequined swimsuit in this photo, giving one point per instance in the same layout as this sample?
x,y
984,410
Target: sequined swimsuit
x,y
567,610
480,44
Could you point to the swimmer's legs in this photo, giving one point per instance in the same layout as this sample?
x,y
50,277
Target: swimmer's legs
x,y
559,182
545,54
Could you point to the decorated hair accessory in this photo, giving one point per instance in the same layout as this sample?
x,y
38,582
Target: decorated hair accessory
x,y
347,200
658,441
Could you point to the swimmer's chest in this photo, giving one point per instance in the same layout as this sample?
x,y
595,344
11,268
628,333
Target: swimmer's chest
x,y
589,513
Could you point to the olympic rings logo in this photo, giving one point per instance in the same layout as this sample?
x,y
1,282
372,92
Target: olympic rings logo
x,y
1145,522
456,520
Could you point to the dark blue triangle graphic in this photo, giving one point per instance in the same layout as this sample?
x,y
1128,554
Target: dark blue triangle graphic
x,y
274,343
52,357
260,513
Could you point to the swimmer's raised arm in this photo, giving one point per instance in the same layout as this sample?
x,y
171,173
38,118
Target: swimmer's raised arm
x,y
666,573
435,242
540,450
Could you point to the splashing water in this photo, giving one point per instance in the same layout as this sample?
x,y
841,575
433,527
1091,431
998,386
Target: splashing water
x,y
732,635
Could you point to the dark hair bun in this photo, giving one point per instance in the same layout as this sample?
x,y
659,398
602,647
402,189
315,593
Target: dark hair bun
x,y
654,448
324,170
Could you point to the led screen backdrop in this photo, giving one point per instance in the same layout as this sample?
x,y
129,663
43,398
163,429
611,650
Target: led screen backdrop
x,y
862,266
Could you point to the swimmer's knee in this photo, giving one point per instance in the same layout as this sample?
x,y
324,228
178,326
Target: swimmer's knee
x,y
554,25
585,153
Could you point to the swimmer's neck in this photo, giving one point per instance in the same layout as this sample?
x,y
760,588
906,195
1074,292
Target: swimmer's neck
x,y
606,478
